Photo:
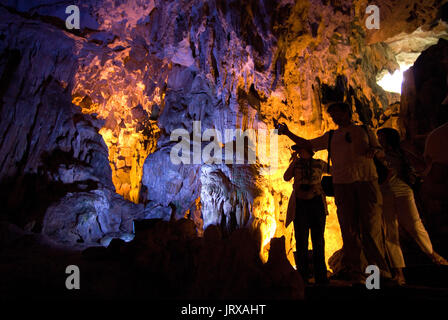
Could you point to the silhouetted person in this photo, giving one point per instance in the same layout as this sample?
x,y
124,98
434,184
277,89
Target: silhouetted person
x,y
399,207
357,194
436,159
307,207
434,189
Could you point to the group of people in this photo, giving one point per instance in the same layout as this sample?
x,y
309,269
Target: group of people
x,y
369,213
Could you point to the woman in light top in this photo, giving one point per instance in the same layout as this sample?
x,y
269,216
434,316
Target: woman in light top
x,y
399,206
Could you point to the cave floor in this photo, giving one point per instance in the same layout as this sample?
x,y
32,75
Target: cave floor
x,y
425,282
35,273
31,268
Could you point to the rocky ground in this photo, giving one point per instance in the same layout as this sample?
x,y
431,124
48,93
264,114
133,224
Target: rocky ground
x,y
167,262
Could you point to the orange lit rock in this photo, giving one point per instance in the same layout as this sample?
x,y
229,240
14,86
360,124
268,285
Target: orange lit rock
x,y
119,97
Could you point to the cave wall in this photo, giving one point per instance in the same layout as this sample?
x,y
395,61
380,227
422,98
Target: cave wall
x,y
424,89
52,153
406,16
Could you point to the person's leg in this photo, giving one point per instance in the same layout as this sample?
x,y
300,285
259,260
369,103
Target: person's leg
x,y
393,248
435,198
317,222
392,237
301,229
409,219
345,200
370,203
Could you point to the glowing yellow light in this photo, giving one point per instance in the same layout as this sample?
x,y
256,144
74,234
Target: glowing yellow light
x,y
128,148
141,85
265,222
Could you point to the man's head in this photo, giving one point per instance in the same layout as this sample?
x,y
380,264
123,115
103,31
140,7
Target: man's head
x,y
389,138
340,112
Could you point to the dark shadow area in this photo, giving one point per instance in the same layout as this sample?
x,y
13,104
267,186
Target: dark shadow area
x,y
27,197
165,262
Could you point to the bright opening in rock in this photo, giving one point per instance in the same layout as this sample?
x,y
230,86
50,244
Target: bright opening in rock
x,y
407,48
392,82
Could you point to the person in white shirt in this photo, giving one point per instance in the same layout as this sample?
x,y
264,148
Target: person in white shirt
x,y
357,194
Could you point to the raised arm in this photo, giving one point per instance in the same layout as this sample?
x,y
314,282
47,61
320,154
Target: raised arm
x,y
319,143
375,149
301,142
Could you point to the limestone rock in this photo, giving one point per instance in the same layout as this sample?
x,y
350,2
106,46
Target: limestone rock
x,y
424,89
90,217
404,17
48,147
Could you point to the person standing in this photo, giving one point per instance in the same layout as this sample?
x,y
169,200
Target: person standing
x,y
434,189
357,193
399,207
436,159
308,209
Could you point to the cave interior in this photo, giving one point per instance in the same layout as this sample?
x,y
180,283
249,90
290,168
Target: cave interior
x,y
88,112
